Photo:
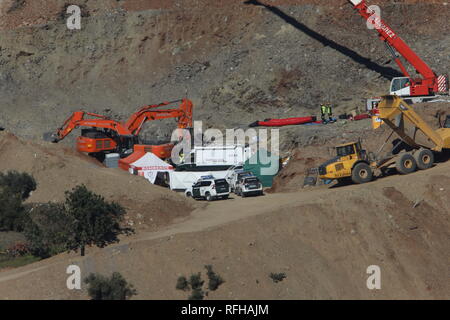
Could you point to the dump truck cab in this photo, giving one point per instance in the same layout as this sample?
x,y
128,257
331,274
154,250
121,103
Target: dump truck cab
x,y
348,156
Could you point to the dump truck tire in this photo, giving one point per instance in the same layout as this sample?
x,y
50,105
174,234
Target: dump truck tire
x,y
424,159
362,173
406,164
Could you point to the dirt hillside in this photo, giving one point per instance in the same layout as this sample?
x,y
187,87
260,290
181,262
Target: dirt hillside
x,y
317,146
238,62
58,169
323,240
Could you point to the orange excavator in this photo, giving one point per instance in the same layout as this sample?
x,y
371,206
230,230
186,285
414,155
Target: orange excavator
x,y
148,113
104,135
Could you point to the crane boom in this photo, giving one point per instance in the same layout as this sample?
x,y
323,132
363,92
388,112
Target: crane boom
x,y
430,83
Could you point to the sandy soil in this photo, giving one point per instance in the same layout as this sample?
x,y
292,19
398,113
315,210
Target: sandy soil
x,y
238,63
58,169
322,239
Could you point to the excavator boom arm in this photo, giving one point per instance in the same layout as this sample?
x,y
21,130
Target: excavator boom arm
x,y
147,113
77,120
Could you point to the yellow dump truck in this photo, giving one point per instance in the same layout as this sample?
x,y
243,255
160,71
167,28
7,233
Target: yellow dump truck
x,y
355,163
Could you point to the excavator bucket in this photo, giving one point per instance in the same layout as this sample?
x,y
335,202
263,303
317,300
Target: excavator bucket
x,y
49,137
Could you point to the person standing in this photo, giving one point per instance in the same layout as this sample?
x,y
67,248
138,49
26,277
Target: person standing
x,y
329,112
323,113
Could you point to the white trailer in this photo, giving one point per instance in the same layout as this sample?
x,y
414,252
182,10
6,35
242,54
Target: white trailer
x,y
231,155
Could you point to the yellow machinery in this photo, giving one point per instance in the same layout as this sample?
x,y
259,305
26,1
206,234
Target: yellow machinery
x,y
352,162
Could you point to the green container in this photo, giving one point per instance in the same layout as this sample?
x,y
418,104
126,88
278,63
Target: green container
x,y
263,165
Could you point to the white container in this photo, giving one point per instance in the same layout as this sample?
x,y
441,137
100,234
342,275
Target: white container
x,y
230,155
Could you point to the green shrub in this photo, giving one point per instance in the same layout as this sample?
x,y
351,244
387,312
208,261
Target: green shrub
x,y
277,277
15,187
195,283
104,288
12,213
21,184
84,219
197,294
48,230
214,279
182,284
94,220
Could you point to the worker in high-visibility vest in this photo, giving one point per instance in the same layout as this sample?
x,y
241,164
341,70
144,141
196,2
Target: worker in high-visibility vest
x,y
323,113
181,157
326,113
329,113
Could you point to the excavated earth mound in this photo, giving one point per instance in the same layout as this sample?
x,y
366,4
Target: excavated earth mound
x,y
58,169
321,149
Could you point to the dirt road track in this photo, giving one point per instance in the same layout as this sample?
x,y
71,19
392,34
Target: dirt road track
x,y
320,223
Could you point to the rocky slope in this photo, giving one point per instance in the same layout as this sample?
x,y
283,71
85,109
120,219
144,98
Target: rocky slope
x,y
238,62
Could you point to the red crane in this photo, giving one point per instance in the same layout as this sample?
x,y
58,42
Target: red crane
x,y
429,84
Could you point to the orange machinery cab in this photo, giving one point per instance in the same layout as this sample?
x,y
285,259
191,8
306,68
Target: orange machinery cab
x,y
162,151
92,141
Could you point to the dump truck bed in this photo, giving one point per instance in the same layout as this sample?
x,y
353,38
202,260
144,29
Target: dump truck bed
x,y
410,127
